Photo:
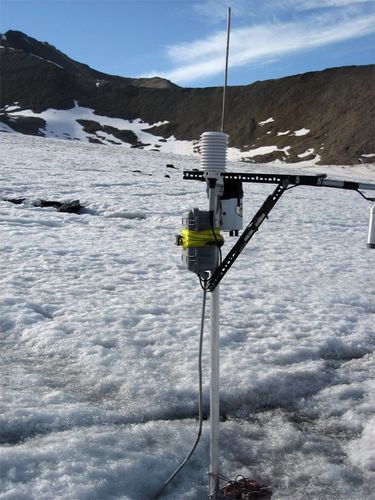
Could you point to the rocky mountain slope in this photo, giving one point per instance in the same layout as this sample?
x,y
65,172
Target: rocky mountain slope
x,y
325,116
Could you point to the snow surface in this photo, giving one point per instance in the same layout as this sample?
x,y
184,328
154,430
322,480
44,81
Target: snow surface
x,y
99,326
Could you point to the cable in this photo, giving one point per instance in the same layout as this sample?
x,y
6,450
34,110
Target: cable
x,y
200,398
363,196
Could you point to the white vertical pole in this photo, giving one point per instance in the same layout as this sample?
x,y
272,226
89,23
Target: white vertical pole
x,y
215,338
371,229
213,162
214,396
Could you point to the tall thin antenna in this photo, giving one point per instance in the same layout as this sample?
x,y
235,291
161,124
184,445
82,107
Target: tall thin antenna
x,y
226,70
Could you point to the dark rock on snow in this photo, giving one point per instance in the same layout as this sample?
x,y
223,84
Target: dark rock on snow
x,y
72,207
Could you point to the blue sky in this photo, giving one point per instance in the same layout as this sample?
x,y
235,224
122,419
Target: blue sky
x,y
184,40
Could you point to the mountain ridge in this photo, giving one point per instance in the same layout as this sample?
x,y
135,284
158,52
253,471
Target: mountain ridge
x,y
336,106
19,41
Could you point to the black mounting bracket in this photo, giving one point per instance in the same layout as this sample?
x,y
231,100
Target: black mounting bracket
x,y
246,236
307,180
284,182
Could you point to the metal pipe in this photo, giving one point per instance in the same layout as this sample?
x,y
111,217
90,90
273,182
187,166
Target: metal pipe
x,y
364,186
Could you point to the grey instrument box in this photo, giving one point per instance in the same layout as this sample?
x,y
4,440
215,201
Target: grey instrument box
x,y
199,259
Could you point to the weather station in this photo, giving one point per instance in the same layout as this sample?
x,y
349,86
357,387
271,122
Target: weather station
x,y
201,241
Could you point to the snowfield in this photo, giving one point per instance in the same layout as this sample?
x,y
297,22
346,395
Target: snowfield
x,y
99,325
67,124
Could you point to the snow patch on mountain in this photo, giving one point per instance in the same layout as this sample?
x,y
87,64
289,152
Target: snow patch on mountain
x,y
301,131
308,152
269,120
263,150
63,124
13,107
47,60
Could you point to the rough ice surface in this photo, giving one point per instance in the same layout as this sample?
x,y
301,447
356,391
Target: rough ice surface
x,y
99,325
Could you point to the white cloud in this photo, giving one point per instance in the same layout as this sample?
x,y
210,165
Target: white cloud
x,y
320,4
255,44
216,10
